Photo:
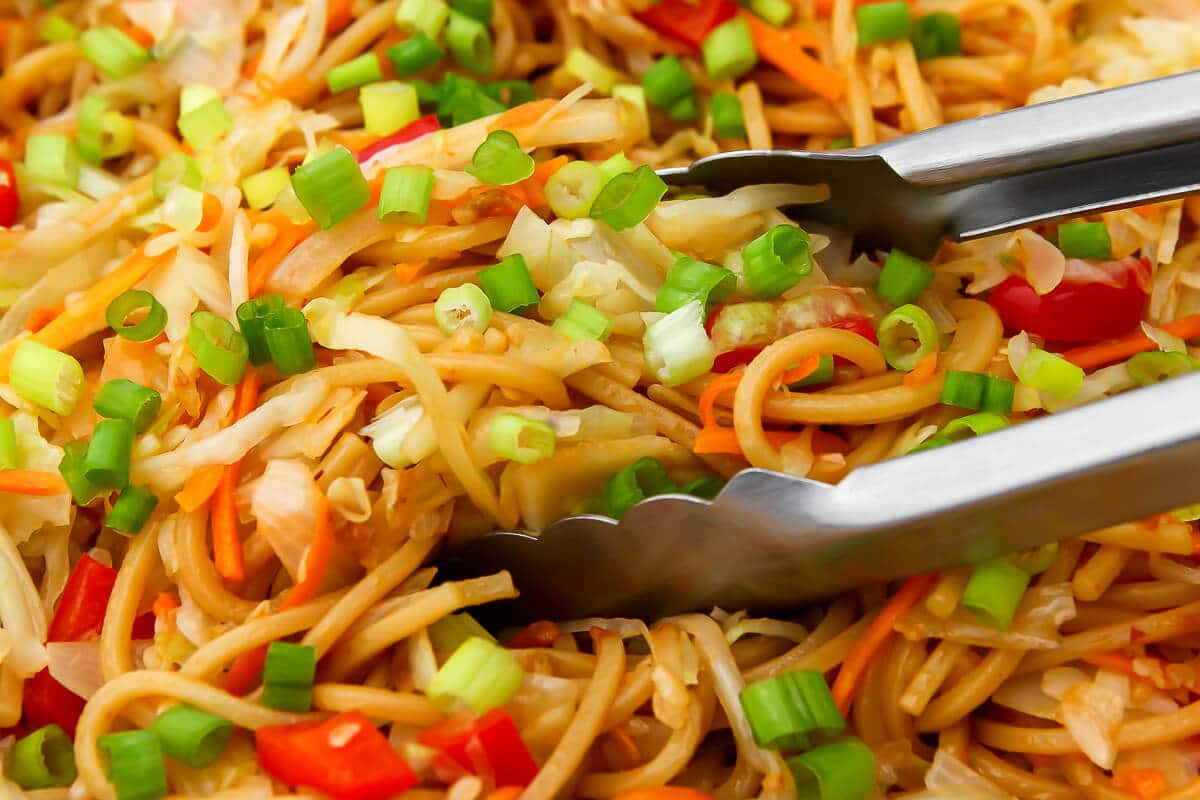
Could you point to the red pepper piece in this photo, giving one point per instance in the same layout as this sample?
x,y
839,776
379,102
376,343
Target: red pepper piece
x,y
686,21
490,743
344,756
1073,312
414,130
10,200
540,634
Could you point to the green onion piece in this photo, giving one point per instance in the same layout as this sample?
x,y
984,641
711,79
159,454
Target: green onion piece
x,y
46,377
183,208
10,456
56,30
131,510
634,115
820,376
462,100
646,477
841,143
262,188
588,69
116,134
677,347
192,736
43,759
903,277
252,316
354,73
414,54
481,10
511,93
788,711
963,389
583,321
1084,240
572,190
287,676
994,591
776,261
106,463
423,16
194,95
685,109
500,161
83,491
615,165
462,306
480,675
1050,373
1153,367
689,279
977,424
114,54
1037,560
135,764
130,302
219,349
388,107
176,169
470,43
773,12
729,50
124,399
841,770
906,336
509,286
882,22
520,439
51,158
406,194
331,187
667,82
707,486
203,126
998,395
628,199
289,342
88,139
937,34
451,631
727,116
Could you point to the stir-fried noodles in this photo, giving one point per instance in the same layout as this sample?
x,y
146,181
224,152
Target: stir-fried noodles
x,y
296,294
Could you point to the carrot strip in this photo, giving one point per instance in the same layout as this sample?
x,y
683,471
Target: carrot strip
x,y
871,643
663,793
522,115
316,561
199,487
783,49
227,545
923,371
339,14
139,35
288,235
1117,662
716,439
212,212
708,398
31,482
407,272
1148,783
799,372
245,670
505,793
1091,356
42,316
545,170
164,605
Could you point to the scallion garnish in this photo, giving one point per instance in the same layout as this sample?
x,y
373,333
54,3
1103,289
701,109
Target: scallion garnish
x,y
1084,240
388,106
423,16
287,676
10,457
289,341
482,10
128,303
135,764
667,82
520,439
354,73
219,349
972,425
51,158
936,35
406,194
252,317
646,477
123,399
689,279
42,759
729,50
882,22
776,261
509,286
465,306
582,321
963,389
470,42
414,54
573,188
792,710
840,770
203,126
46,377
262,188
1156,366
56,30
192,736
906,336
903,278
448,633
480,675
114,53
176,169
1049,372
331,187
626,200
83,491
132,509
994,591
106,463
588,69
500,161
728,120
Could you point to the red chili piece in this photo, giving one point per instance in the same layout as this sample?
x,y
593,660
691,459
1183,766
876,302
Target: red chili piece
x,y
490,743
414,130
688,22
1073,312
10,200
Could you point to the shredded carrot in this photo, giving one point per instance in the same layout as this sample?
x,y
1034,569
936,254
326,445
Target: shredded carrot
x,y
663,793
407,272
287,236
799,372
316,561
1147,783
139,35
505,793
31,482
1112,660
164,605
250,67
545,170
245,670
716,439
783,49
42,316
522,115
1092,356
339,14
923,371
227,546
708,398
868,646
213,210
199,487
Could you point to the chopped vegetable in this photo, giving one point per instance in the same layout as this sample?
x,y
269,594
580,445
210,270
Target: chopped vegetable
x,y
788,711
481,675
46,377
520,439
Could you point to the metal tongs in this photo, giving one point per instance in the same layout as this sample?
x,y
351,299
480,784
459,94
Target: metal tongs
x,y
771,541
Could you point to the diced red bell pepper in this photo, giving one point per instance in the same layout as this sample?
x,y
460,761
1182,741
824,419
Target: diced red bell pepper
x,y
10,199
688,21
539,634
45,701
860,325
344,756
414,130
490,743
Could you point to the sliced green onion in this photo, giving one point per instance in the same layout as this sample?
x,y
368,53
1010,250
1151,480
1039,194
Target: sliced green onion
x,y
667,82
203,126
451,631
937,34
130,302
406,194
414,54
882,22
963,389
586,68
1153,367
685,109
289,342
424,16
176,169
728,119
89,138
464,101
252,317
116,134
998,395
287,676
1050,373
628,199
903,277
511,93
500,161
192,736
1037,560
776,261
1084,240
124,399
841,143
646,477
56,30
520,439
183,208
582,321
572,190
706,486
106,463
194,95
729,50
906,336
43,759
773,12
689,279
634,115
977,424
135,764
677,348
51,158
470,42
615,165
9,454
331,187
219,349
114,54
820,376
509,286
83,491
994,591
789,711
46,377
131,510
841,770
480,675
481,10
462,306
261,188
354,73
388,106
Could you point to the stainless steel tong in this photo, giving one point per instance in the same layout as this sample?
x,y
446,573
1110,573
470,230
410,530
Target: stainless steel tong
x,y
771,541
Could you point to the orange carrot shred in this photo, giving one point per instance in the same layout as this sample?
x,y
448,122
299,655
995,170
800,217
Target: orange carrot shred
x,y
716,439
708,398
139,35
783,49
42,316
34,483
505,793
923,371
339,14
407,272
227,546
212,212
1147,783
1091,356
522,115
1117,662
199,487
663,793
288,235
164,605
801,371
